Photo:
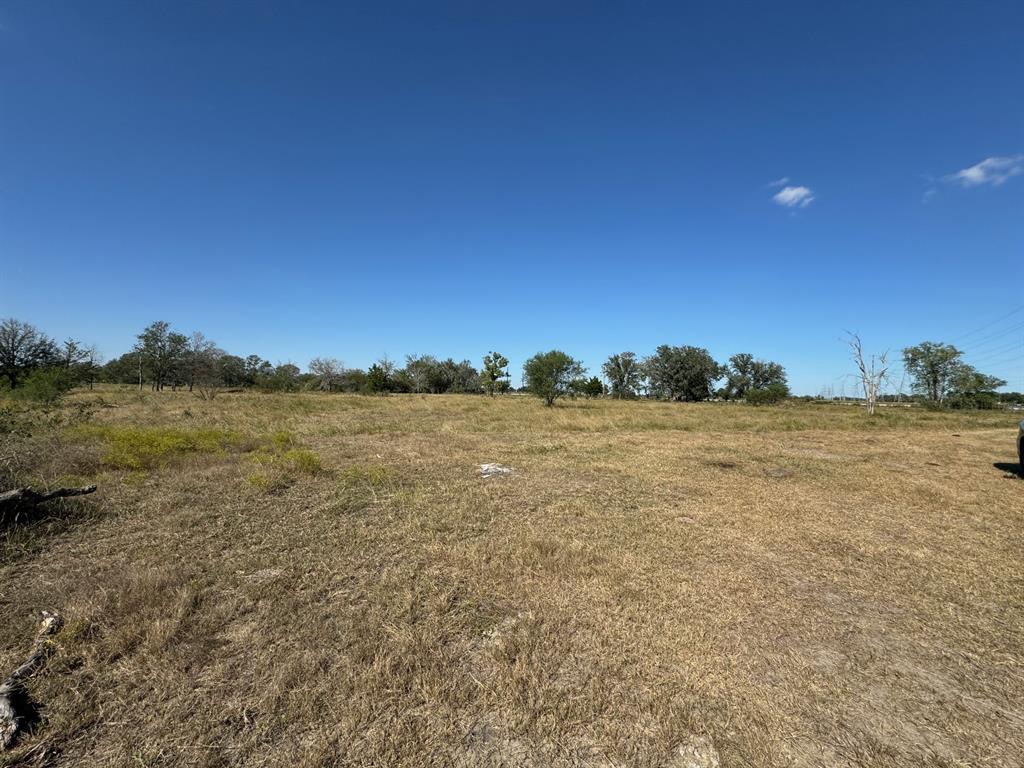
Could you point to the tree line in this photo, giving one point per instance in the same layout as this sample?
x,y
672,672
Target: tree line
x,y
163,357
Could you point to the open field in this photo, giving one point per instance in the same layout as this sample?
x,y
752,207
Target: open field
x,y
301,580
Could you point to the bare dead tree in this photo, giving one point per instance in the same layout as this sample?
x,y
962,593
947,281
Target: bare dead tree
x,y
871,371
329,372
20,498
10,717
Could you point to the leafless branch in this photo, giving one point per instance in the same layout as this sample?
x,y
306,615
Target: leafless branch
x,y
10,719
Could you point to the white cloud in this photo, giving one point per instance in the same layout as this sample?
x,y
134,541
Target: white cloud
x,y
778,182
991,170
793,197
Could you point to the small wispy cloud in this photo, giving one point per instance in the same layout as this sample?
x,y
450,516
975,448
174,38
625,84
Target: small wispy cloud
x,y
992,170
793,197
778,182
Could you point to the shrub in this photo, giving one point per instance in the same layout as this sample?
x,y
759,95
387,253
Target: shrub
x,y
45,385
973,401
770,395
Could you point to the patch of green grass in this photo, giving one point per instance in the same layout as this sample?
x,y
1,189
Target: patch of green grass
x,y
140,448
372,476
282,440
268,482
302,461
280,468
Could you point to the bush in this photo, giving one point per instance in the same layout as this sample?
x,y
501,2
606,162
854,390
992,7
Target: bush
x,y
970,401
45,385
770,395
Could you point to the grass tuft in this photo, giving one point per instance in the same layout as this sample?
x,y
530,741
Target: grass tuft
x,y
302,461
370,476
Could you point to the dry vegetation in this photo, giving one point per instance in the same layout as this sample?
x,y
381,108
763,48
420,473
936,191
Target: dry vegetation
x,y
303,580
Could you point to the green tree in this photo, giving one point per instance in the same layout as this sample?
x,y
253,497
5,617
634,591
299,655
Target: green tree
x,y
424,374
931,366
162,354
285,378
72,353
256,369
495,374
585,387
624,374
461,377
177,348
121,370
682,373
744,373
80,361
354,380
232,372
88,370
969,388
23,348
46,385
380,377
549,374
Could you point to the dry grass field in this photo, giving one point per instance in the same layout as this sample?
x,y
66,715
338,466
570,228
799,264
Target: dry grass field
x,y
307,580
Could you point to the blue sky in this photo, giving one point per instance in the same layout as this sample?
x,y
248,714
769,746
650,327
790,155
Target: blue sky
x,y
351,180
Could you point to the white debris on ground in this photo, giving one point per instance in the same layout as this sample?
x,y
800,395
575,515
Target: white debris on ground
x,y
696,752
265,574
494,470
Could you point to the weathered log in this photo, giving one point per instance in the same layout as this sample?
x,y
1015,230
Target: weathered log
x,y
10,718
20,497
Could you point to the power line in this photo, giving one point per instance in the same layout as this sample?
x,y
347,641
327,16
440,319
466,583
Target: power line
x,y
995,336
1016,344
990,324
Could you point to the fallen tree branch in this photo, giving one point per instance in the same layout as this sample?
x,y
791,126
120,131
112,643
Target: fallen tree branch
x,y
28,497
10,719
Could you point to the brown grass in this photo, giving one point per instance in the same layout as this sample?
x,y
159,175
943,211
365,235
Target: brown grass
x,y
800,584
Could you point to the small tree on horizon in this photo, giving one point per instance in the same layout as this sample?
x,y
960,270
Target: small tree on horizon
x,y
624,373
548,375
328,372
932,367
589,388
682,373
379,376
745,374
23,348
495,375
